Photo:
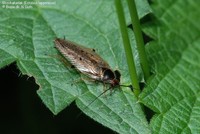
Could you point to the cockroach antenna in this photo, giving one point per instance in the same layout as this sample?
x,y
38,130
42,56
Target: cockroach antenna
x,y
92,102
130,86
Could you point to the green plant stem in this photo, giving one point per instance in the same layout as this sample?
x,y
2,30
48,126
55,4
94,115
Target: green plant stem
x,y
139,38
127,47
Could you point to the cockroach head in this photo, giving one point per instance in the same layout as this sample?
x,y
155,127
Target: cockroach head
x,y
108,74
111,77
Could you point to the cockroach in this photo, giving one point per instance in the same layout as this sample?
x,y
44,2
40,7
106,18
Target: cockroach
x,y
88,62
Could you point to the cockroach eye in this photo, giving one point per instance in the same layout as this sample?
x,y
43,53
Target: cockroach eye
x,y
108,75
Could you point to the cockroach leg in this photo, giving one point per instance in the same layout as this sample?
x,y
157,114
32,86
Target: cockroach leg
x,y
104,89
111,90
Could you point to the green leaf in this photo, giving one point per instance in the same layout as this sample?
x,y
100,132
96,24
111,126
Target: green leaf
x,y
27,38
173,91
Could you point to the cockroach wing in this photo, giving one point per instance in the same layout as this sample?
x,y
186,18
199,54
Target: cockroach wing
x,y
84,59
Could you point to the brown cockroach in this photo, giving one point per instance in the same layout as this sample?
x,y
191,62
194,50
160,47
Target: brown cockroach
x,y
88,62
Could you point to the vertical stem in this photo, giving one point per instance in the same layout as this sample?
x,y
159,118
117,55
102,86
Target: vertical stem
x,y
127,47
139,38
